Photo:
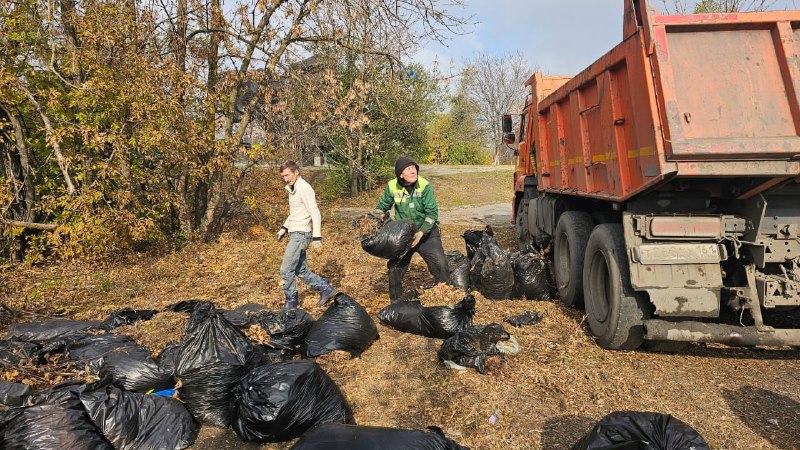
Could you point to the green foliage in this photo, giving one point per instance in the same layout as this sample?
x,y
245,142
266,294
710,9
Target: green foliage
x,y
453,137
466,153
334,184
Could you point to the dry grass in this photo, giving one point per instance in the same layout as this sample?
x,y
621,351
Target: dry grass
x,y
546,397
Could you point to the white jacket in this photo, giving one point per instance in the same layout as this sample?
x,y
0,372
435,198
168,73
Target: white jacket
x,y
304,213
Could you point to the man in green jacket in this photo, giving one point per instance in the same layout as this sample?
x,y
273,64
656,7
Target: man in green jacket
x,y
412,198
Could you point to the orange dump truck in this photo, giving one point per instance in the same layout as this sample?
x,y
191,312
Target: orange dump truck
x,y
666,177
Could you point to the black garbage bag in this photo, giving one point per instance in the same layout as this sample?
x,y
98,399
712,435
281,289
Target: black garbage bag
x,y
186,306
287,328
127,316
475,268
269,355
134,370
12,394
471,347
432,321
91,350
497,275
279,402
243,316
199,311
167,360
390,241
55,420
335,436
60,344
214,355
133,421
526,318
345,326
13,354
40,332
459,269
641,431
472,240
531,276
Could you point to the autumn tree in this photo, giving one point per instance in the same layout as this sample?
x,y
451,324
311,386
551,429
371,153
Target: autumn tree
x,y
454,135
122,122
496,83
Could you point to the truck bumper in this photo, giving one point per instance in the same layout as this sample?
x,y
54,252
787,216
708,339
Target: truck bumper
x,y
688,331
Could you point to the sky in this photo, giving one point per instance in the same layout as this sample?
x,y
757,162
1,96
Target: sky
x,y
558,37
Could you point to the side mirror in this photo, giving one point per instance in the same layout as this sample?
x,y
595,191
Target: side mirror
x,y
509,138
507,124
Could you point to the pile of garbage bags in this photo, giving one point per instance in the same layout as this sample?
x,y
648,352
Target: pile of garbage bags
x,y
216,374
97,416
497,273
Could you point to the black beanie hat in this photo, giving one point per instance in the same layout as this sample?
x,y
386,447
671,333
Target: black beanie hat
x,y
401,165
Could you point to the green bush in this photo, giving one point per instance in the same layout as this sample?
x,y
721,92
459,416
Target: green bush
x,y
466,153
334,184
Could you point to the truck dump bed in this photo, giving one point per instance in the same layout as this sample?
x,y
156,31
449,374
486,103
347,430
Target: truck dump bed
x,y
689,96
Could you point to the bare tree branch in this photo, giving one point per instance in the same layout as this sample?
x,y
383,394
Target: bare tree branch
x,y
31,225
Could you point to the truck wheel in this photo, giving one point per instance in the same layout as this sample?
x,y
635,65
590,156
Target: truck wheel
x,y
524,238
571,236
614,310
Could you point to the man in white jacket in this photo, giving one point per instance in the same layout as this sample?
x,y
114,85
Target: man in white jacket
x,y
304,228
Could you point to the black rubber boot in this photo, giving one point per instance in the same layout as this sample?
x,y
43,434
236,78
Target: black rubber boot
x,y
326,293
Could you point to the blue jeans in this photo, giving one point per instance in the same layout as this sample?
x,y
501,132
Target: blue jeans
x,y
294,264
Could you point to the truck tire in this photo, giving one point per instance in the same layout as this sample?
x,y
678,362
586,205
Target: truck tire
x,y
615,311
571,236
524,237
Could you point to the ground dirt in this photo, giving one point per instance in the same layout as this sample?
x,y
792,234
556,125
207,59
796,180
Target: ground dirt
x,y
546,397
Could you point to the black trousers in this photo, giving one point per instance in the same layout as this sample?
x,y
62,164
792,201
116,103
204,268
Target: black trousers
x,y
431,251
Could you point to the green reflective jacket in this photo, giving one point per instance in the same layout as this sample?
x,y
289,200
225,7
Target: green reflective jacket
x,y
415,202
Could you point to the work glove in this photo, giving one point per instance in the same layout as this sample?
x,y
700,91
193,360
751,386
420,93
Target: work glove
x,y
316,245
282,233
417,238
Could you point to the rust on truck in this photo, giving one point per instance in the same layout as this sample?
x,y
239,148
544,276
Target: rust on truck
x,y
674,159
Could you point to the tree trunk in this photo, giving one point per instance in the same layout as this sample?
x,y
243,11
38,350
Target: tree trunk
x,y
71,34
184,215
206,195
29,189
